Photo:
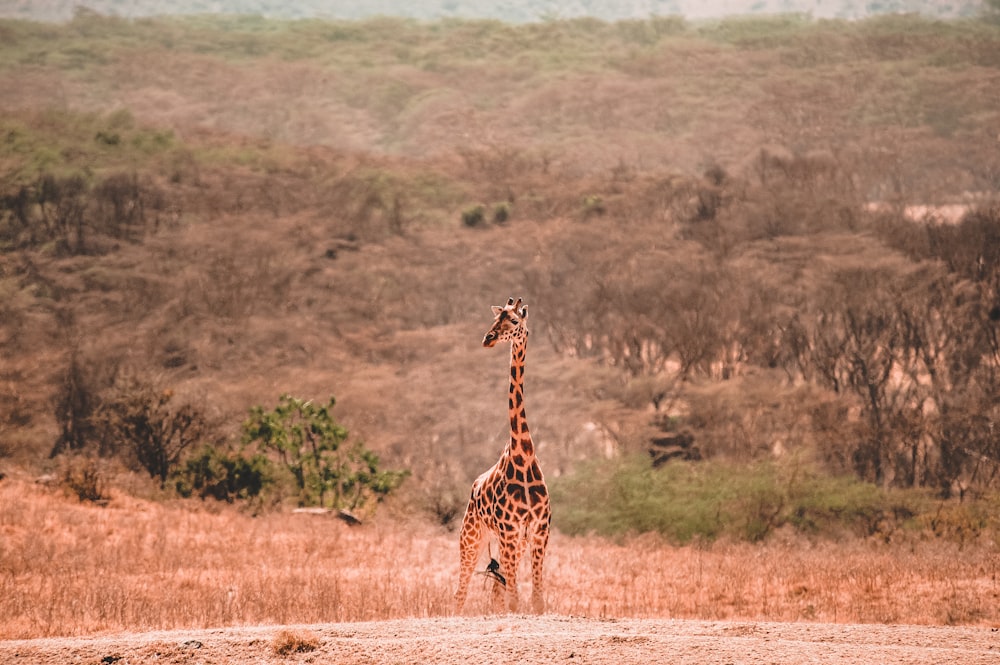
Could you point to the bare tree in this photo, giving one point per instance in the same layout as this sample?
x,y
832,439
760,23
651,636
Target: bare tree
x,y
144,424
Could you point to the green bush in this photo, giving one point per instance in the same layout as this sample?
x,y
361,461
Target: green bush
x,y
685,501
474,216
501,213
328,470
224,476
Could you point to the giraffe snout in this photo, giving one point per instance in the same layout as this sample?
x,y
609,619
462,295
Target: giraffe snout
x,y
490,339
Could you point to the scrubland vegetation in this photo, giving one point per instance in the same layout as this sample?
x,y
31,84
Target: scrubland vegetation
x,y
714,227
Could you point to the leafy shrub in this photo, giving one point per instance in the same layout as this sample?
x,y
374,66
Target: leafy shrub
x,y
688,501
474,216
501,212
223,476
372,203
313,447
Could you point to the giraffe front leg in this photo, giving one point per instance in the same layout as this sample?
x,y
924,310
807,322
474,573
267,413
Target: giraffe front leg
x,y
511,545
470,547
539,541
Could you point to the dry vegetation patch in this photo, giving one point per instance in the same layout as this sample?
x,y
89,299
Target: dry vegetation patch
x,y
289,642
73,568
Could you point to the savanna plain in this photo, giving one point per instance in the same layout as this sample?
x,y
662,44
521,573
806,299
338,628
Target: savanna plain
x,y
245,270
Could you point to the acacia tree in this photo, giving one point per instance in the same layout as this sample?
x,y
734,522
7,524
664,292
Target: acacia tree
x,y
909,346
329,470
950,321
851,343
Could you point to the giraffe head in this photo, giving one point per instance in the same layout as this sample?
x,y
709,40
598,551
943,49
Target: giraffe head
x,y
511,322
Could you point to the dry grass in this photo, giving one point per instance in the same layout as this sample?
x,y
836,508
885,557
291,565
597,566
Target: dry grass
x,y
856,582
291,641
68,568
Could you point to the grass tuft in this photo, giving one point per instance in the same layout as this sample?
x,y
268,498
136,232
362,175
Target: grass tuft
x,y
288,642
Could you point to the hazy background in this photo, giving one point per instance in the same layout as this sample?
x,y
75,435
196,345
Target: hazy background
x,y
510,11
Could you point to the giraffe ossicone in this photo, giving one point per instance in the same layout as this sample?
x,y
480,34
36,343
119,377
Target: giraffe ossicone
x,y
510,501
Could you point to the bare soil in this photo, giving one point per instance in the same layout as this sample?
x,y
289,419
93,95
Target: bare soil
x,y
517,639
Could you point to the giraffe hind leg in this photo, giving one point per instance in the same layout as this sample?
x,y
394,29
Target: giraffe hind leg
x,y
471,545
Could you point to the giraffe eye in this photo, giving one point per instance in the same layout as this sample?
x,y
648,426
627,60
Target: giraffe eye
x,y
513,321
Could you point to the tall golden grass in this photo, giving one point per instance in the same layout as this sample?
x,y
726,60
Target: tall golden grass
x,y
68,568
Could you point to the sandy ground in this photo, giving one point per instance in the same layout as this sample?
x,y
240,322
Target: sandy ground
x,y
522,639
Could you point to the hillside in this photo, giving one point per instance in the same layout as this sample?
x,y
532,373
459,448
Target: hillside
x,y
713,225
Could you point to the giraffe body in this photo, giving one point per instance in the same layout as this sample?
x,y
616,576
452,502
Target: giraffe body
x,y
509,501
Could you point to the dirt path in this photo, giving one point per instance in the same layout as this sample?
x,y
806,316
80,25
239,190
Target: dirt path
x,y
518,639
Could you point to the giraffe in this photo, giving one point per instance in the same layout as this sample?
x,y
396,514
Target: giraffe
x,y
509,501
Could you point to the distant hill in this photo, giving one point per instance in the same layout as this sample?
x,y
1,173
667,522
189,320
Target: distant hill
x,y
517,11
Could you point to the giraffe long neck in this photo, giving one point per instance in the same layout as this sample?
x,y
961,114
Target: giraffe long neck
x,y
520,437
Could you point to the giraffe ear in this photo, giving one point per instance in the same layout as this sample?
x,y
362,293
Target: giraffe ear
x,y
524,311
496,310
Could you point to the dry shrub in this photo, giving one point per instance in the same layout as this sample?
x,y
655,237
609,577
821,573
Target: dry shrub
x,y
288,642
78,216
77,398
83,477
367,203
147,427
750,418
